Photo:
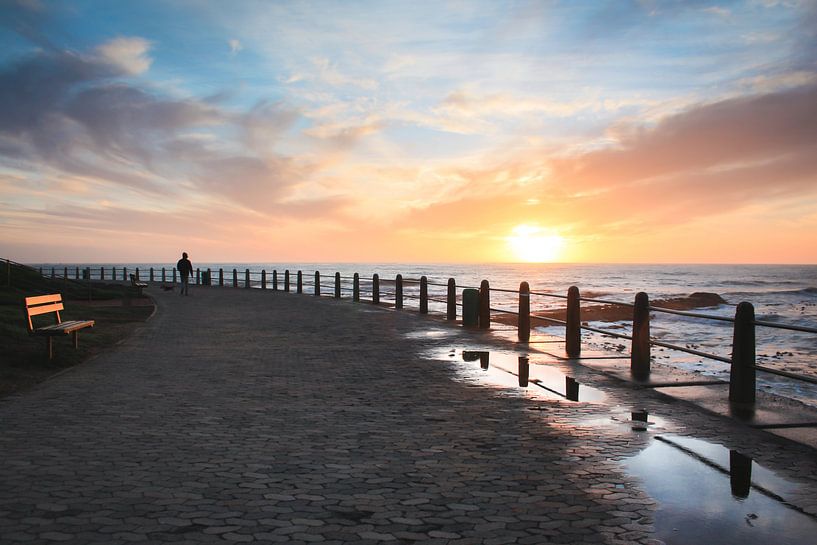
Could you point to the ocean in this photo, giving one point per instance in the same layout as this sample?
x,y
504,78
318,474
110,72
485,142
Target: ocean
x,y
780,293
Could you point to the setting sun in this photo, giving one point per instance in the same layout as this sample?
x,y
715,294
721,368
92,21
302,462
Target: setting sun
x,y
534,244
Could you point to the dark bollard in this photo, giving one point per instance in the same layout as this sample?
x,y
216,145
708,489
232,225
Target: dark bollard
x,y
136,274
263,279
65,274
640,351
398,292
275,280
76,274
375,289
337,285
740,474
102,273
299,285
317,284
423,295
470,307
286,280
151,274
523,323
573,328
451,300
53,273
174,275
164,274
235,278
742,374
524,371
484,305
124,273
198,275
247,283
356,288
571,389
209,277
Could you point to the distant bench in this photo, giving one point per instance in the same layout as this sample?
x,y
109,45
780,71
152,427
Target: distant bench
x,y
138,285
45,304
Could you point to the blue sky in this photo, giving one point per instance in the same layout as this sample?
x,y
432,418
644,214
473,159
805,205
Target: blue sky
x,y
298,123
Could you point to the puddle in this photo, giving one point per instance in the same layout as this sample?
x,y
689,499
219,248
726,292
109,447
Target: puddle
x,y
432,334
636,420
710,494
509,369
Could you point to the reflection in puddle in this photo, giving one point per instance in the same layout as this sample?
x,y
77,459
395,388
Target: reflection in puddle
x,y
428,334
710,494
549,378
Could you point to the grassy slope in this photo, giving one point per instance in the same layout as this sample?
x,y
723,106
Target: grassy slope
x,y
23,358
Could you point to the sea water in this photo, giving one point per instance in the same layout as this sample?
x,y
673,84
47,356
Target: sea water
x,y
780,293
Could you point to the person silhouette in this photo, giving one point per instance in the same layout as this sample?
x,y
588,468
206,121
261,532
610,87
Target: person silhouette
x,y
185,269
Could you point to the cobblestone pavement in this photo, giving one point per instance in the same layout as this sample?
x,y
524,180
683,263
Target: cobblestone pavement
x,y
238,416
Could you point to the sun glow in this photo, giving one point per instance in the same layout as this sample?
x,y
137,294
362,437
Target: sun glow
x,y
534,244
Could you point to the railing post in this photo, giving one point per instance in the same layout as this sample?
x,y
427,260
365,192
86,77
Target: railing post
x,y
300,282
263,279
246,278
275,280
235,278
221,278
53,273
573,328
124,273
742,375
76,274
523,322
375,289
151,274
356,288
484,305
451,300
102,273
209,277
286,280
337,285
163,274
65,274
317,284
423,295
198,276
398,292
640,351
137,274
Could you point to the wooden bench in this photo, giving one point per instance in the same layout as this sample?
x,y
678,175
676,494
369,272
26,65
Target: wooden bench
x,y
138,285
45,304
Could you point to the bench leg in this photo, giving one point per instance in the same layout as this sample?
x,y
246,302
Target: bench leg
x,y
50,348
75,334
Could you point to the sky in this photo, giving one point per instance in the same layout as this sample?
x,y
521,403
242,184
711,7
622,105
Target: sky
x,y
393,131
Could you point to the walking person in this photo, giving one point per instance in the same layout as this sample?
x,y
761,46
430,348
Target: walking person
x,y
185,269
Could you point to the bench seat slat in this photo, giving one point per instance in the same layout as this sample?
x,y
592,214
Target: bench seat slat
x,y
64,328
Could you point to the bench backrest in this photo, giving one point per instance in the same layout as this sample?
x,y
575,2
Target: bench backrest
x,y
42,304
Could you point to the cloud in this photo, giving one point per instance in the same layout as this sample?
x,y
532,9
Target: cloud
x,y
235,46
127,54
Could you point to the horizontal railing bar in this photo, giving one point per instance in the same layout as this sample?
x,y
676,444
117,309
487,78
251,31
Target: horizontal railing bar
x,y
790,327
804,378
691,351
605,302
693,314
547,294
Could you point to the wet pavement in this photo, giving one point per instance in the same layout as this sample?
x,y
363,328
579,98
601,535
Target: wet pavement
x,y
248,416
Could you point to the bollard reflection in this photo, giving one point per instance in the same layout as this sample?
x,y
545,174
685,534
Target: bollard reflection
x,y
740,474
524,369
571,389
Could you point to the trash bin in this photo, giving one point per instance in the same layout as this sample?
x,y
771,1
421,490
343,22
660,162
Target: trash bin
x,y
470,307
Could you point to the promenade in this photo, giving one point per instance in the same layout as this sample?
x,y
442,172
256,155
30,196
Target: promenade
x,y
247,416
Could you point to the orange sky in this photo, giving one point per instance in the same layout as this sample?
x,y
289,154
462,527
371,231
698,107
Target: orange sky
x,y
477,132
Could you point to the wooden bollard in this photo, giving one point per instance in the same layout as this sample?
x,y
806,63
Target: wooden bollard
x,y
198,276
524,371
76,274
221,278
484,305
53,273
451,300
164,274
337,285
247,278
317,284
136,274
423,295
263,279
124,273
274,280
742,380
523,322
356,288
174,275
102,273
573,329
209,277
640,351
299,283
286,280
398,292
235,278
375,289
65,274
151,274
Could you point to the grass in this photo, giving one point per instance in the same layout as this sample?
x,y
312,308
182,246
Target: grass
x,y
24,359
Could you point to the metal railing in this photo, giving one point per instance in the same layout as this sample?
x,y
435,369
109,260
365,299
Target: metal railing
x,y
742,382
